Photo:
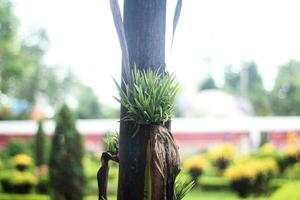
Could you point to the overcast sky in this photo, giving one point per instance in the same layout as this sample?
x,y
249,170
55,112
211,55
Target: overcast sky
x,y
222,32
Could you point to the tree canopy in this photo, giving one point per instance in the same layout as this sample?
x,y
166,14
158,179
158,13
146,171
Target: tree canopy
x,y
247,83
285,96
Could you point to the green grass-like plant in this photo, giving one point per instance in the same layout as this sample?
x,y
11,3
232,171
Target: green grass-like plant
x,y
183,187
111,143
148,97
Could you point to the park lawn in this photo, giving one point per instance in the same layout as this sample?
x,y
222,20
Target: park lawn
x,y
216,195
4,196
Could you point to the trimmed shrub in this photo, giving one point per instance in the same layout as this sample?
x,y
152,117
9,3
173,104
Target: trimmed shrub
x,y
241,178
13,181
5,177
195,166
65,166
251,175
21,161
40,145
16,147
222,155
43,179
23,182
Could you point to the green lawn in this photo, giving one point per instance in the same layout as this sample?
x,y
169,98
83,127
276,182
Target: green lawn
x,y
216,195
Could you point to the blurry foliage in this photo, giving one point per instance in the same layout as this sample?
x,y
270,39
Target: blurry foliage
x,y
11,57
289,191
21,159
207,84
19,60
251,175
252,87
14,181
24,76
293,172
222,155
88,104
65,167
33,49
40,145
16,147
285,96
195,167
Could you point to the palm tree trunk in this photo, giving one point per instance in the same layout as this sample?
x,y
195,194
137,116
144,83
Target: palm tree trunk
x,y
144,23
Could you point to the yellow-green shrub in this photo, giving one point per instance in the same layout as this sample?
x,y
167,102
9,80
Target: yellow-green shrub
x,y
195,162
251,174
22,178
14,181
222,155
267,148
21,160
195,166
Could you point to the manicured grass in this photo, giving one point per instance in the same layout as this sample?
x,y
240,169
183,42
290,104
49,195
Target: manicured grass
x,y
214,183
23,197
216,195
4,196
289,191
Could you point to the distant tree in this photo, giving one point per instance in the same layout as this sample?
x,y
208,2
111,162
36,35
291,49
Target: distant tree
x,y
208,83
231,80
24,76
248,84
65,167
89,107
285,96
29,85
12,65
40,145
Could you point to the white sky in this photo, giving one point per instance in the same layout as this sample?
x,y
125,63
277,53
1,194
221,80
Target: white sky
x,y
82,36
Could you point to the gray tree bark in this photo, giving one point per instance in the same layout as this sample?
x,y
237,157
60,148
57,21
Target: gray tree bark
x,y
144,22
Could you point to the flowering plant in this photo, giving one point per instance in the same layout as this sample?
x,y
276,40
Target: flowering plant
x,y
21,161
195,166
251,175
222,155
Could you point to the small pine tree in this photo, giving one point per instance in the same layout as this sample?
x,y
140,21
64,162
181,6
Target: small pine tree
x,y
65,167
40,145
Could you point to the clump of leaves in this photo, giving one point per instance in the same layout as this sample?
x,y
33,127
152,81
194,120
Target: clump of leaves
x,y
182,188
111,143
149,97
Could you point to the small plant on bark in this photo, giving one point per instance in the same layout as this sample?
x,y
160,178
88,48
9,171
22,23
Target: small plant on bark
x,y
111,143
182,188
149,99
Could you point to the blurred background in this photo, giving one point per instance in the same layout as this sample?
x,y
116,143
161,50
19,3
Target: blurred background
x,y
238,64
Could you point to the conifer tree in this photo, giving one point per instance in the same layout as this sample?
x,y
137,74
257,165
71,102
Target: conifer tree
x,y
65,167
40,145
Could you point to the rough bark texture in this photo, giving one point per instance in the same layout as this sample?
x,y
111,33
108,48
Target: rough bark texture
x,y
102,175
144,23
164,163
